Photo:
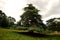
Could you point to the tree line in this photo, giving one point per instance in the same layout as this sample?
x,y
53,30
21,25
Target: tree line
x,y
30,18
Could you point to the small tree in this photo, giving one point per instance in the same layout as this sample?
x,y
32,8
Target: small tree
x,y
11,20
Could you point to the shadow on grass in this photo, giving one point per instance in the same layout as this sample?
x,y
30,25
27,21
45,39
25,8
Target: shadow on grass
x,y
37,34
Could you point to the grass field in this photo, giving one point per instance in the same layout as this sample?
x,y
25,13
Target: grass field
x,y
11,35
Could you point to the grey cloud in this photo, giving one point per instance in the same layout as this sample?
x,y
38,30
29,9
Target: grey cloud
x,y
55,10
42,5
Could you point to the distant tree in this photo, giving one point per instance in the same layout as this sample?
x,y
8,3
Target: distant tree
x,y
11,20
19,23
54,24
31,17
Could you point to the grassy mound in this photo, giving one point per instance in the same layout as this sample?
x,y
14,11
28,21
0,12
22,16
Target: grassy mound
x,y
11,35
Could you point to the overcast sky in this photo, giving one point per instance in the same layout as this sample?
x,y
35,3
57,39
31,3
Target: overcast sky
x,y
48,8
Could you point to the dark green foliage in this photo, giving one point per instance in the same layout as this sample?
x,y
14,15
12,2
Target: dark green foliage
x,y
19,23
31,17
11,21
54,24
6,21
3,19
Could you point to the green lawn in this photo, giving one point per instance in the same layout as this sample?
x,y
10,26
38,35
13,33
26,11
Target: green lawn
x,y
10,35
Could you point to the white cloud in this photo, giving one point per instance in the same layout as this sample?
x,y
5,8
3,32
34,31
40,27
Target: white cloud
x,y
13,7
47,7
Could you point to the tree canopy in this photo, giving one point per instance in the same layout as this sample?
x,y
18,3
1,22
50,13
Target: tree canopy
x,y
3,19
30,17
54,24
